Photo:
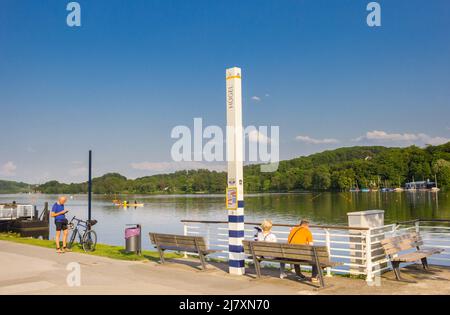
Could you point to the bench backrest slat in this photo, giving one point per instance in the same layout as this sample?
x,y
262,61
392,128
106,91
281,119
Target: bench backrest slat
x,y
181,241
287,251
396,244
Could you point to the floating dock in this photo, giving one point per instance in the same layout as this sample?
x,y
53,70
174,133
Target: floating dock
x,y
24,219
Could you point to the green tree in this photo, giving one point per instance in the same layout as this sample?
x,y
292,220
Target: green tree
x,y
442,170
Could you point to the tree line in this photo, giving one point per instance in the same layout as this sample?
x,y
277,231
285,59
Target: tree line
x,y
334,170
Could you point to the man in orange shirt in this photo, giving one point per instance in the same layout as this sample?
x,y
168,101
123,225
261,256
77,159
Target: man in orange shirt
x,y
302,235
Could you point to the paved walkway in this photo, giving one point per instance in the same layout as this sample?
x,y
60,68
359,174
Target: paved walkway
x,y
27,269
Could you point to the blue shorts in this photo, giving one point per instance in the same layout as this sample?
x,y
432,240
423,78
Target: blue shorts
x,y
61,225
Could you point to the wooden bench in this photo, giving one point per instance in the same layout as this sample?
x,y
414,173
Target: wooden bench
x,y
190,244
291,254
394,245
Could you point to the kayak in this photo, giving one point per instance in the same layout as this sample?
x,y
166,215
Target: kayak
x,y
129,205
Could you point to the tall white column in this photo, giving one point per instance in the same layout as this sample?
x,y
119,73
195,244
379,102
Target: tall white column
x,y
235,186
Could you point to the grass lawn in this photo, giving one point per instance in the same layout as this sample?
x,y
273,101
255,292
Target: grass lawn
x,y
110,251
118,252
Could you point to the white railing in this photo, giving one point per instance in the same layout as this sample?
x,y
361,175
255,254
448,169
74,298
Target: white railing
x,y
8,212
359,250
344,243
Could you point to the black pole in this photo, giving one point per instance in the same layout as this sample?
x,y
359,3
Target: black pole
x,y
90,186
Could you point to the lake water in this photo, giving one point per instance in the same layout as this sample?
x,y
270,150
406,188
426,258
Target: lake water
x,y
163,213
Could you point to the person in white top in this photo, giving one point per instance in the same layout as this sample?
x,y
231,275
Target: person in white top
x,y
265,235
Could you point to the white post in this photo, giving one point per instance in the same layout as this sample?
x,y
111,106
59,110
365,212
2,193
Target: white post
x,y
328,244
417,225
369,265
185,232
208,234
235,180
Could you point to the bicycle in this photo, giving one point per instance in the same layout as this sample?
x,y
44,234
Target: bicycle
x,y
87,237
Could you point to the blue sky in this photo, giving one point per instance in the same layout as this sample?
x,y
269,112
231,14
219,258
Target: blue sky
x,y
135,69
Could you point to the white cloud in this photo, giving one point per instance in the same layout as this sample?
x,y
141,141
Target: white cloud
x,y
78,171
256,136
30,149
408,138
382,135
309,140
8,169
256,98
176,166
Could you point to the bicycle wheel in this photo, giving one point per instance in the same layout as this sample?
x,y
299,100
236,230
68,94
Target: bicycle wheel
x,y
72,238
89,241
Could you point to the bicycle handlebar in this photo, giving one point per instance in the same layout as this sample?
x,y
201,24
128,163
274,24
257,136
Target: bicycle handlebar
x,y
78,220
88,223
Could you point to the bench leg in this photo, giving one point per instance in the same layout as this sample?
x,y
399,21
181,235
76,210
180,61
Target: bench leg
x,y
320,275
396,267
161,254
424,263
318,272
298,270
257,267
202,260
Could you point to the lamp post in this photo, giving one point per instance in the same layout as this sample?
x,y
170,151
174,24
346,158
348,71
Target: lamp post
x,y
90,186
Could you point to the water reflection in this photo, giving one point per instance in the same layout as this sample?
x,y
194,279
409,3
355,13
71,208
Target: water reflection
x,y
163,213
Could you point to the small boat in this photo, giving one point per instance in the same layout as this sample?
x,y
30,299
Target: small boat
x,y
126,205
355,188
365,190
435,188
133,205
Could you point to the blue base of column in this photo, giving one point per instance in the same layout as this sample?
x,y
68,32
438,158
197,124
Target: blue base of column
x,y
236,235
236,267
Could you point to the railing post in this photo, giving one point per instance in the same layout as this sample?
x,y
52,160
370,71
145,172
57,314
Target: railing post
x,y
185,232
207,234
328,244
395,228
369,265
417,225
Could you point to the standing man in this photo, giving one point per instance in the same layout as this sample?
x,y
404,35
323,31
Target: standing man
x,y
61,222
302,235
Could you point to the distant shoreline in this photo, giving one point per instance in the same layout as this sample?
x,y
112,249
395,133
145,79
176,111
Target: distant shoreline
x,y
339,170
219,195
